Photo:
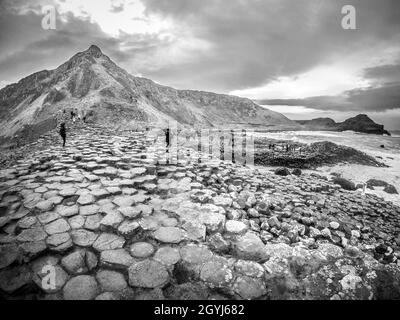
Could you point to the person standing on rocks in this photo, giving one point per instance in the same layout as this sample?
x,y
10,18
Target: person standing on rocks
x,y
63,133
167,137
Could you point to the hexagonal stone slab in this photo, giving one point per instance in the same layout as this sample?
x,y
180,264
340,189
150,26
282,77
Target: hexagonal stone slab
x,y
124,201
67,192
59,239
119,258
195,254
86,199
100,193
47,217
108,241
81,288
67,211
128,227
167,256
89,210
44,206
74,263
168,234
32,235
148,274
112,219
83,238
141,249
58,226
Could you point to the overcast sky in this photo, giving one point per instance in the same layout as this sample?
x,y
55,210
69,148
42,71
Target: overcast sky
x,y
290,55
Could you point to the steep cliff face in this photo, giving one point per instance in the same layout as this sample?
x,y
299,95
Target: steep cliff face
x,y
360,123
94,85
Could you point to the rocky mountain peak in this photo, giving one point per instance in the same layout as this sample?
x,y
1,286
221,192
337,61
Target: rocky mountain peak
x,y
94,51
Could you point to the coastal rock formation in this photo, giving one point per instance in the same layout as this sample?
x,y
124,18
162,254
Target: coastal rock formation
x,y
116,224
309,156
387,187
96,87
360,123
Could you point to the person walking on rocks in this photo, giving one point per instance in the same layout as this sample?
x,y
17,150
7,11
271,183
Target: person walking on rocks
x,y
63,133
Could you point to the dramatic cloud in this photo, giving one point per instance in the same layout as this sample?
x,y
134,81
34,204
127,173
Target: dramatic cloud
x,y
277,51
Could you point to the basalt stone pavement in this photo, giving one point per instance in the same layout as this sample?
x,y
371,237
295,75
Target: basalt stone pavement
x,y
113,224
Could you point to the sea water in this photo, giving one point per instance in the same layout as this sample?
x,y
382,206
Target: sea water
x,y
385,149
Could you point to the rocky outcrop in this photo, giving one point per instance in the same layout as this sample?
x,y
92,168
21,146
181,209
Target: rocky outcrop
x,y
360,123
309,156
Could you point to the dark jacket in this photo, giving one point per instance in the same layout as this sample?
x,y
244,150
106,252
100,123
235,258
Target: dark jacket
x,y
63,131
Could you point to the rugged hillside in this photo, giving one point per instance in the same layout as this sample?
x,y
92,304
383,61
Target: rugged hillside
x,y
359,123
94,85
